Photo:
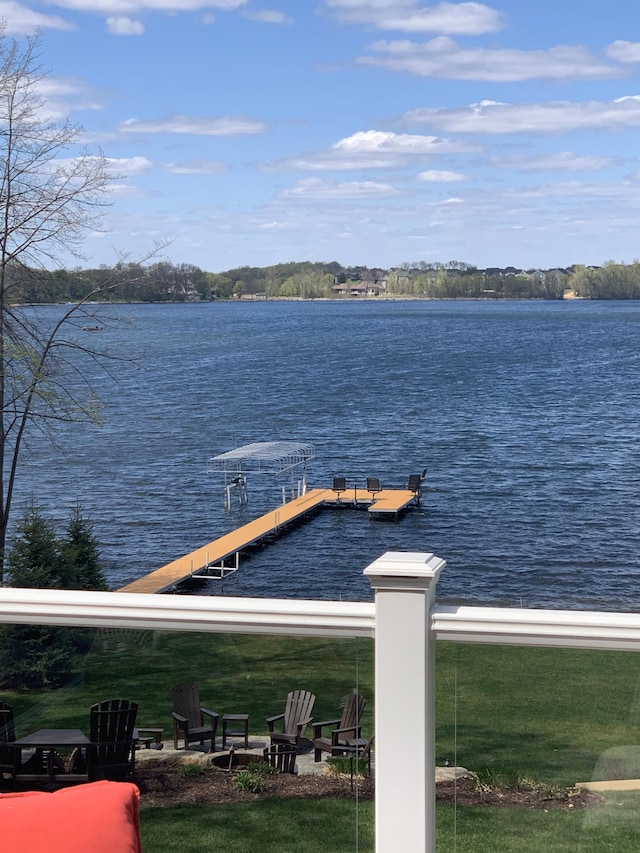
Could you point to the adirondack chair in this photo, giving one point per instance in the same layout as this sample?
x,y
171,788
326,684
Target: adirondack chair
x,y
359,750
281,756
295,719
342,730
111,753
8,753
190,719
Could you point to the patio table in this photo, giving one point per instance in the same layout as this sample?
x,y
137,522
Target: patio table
x,y
47,741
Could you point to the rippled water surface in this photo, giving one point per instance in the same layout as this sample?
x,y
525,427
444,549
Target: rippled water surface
x,y
525,414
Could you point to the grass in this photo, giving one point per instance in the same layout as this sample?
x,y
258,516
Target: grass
x,y
281,826
546,714
614,828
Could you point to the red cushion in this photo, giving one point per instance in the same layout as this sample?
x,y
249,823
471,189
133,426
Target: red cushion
x,y
101,817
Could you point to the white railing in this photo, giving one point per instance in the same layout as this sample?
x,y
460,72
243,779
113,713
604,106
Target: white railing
x,y
404,621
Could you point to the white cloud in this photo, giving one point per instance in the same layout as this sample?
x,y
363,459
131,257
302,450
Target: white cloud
x,y
577,189
624,51
267,16
129,165
64,95
443,58
554,117
440,176
374,141
124,26
197,167
195,125
20,21
469,19
313,189
565,161
372,149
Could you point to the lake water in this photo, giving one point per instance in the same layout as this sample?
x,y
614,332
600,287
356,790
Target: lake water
x,y
525,414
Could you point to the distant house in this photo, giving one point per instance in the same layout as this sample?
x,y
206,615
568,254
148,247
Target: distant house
x,y
363,288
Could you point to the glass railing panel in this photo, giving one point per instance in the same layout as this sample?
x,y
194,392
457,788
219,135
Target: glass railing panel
x,y
237,674
534,729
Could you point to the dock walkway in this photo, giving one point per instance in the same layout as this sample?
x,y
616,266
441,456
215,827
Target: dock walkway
x,y
388,501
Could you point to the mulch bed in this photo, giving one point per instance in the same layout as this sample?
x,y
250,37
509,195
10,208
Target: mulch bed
x,y
468,792
161,784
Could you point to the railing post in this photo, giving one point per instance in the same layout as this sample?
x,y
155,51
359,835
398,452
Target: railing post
x,y
404,584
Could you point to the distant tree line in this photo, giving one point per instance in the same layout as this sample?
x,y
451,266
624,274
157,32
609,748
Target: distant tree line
x,y
167,282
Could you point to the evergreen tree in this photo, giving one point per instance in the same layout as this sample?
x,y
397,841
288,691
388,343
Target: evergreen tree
x,y
35,559
37,656
81,556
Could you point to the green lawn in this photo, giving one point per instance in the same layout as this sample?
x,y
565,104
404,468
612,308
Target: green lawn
x,y
303,826
281,826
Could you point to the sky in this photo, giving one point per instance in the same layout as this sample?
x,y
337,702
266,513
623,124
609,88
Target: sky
x,y
373,132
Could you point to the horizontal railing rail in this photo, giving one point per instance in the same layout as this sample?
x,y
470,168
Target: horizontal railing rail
x,y
187,613
582,629
466,624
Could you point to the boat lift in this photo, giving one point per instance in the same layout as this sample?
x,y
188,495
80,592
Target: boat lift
x,y
262,457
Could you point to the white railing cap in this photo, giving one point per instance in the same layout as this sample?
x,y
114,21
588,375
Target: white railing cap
x,y
405,570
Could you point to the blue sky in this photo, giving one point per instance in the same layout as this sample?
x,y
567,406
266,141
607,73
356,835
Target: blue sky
x,y
379,132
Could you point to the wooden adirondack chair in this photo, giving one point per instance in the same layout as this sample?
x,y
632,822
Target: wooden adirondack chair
x,y
8,756
111,753
345,729
295,719
190,719
281,756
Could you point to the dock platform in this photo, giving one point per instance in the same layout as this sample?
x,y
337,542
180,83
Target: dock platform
x,y
384,503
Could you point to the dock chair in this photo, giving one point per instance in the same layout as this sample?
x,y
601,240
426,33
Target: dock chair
x,y
414,484
8,753
345,729
111,753
339,485
295,718
281,756
191,722
373,485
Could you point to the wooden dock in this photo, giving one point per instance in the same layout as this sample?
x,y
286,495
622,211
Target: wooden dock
x,y
386,502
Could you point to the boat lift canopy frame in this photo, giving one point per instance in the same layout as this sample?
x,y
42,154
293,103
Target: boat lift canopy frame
x,y
262,457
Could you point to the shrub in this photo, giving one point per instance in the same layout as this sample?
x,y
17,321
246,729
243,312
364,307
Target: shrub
x,y
191,768
249,780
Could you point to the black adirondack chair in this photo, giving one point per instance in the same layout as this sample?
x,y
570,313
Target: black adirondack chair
x,y
8,753
281,756
295,718
191,722
332,735
111,753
